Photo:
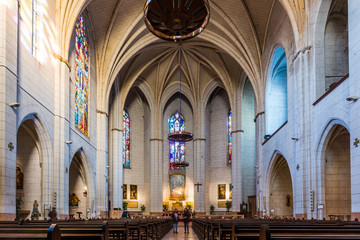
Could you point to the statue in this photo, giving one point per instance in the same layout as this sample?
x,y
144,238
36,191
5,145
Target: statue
x,y
52,214
35,212
74,200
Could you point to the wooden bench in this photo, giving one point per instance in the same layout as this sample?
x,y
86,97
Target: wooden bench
x,y
24,233
267,233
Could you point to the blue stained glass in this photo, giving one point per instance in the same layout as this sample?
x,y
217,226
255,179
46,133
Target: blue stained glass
x,y
126,139
176,149
81,76
229,139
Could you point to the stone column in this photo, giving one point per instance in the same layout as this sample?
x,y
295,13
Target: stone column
x,y
237,191
117,163
116,155
354,63
259,132
199,159
156,167
8,94
102,173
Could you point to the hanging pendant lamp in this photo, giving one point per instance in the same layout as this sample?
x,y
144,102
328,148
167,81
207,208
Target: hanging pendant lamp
x,y
180,136
176,20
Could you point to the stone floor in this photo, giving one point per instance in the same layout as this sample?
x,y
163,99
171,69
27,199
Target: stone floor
x,y
181,234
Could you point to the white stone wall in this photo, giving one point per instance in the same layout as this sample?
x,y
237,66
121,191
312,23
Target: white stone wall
x,y
135,175
220,170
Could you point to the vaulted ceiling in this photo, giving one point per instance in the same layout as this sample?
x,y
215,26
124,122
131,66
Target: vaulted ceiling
x,y
231,46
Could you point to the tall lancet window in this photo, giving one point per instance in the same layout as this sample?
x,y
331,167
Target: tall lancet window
x,y
229,139
81,76
126,139
177,149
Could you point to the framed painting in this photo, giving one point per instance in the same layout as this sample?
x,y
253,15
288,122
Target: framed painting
x,y
222,191
221,204
230,191
177,183
124,191
133,192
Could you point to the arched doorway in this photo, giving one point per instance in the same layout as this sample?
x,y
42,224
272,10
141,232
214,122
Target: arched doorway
x,y
337,174
28,171
79,186
280,189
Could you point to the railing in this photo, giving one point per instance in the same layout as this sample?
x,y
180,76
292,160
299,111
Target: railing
x,y
331,89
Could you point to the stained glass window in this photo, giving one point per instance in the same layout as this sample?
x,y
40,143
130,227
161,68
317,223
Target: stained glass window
x,y
126,139
176,149
81,76
229,139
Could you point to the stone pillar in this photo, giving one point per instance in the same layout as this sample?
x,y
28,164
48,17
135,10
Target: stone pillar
x,y
156,176
117,163
237,191
102,173
8,94
199,159
260,185
354,63
116,155
156,166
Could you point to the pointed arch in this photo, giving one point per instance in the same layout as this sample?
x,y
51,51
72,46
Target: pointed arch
x,y
276,112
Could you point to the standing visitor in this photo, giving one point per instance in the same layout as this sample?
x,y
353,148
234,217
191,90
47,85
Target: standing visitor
x,y
175,218
186,220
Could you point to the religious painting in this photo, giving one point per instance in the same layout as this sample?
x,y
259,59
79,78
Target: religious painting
x,y
73,200
230,191
222,204
133,192
222,191
132,205
177,186
124,191
19,179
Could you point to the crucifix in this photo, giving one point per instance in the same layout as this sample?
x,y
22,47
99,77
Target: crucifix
x,y
197,185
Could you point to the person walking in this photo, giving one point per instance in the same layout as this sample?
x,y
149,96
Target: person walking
x,y
186,220
175,219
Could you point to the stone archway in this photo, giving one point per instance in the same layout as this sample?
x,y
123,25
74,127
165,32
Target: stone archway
x,y
337,174
280,189
79,187
28,170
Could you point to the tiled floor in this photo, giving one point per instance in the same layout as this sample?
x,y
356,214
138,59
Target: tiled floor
x,y
180,234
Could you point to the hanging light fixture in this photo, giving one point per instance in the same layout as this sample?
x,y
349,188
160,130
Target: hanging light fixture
x,y
180,136
176,20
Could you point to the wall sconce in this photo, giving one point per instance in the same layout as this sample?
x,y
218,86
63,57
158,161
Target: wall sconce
x,y
68,142
85,192
13,105
295,138
352,99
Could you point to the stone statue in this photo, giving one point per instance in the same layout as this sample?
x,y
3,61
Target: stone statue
x,y
35,212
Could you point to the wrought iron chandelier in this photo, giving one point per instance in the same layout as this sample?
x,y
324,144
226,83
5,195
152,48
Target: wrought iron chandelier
x,y
176,20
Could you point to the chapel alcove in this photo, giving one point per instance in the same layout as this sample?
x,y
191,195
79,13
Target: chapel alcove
x,y
28,168
337,174
78,187
280,189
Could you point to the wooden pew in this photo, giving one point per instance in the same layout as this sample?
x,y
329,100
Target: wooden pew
x,y
25,233
267,233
